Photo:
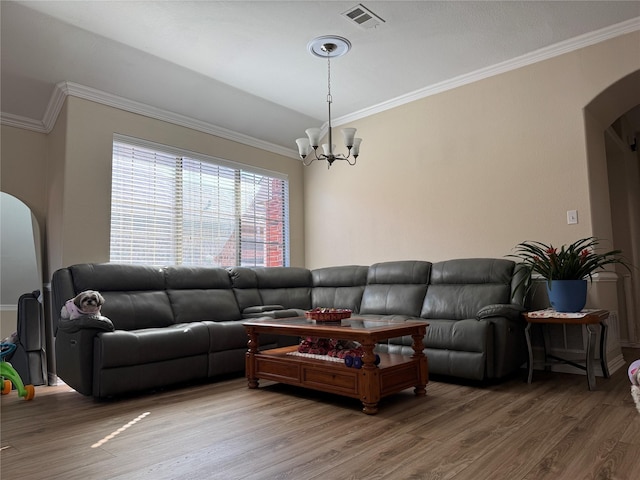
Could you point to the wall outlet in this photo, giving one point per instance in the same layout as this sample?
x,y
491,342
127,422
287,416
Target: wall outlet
x,y
572,217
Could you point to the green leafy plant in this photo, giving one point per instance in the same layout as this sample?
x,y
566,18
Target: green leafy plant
x,y
576,261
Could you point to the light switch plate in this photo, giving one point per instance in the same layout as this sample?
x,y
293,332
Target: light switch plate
x,y
572,217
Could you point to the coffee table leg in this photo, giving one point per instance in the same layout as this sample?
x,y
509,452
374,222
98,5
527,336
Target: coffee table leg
x,y
250,362
370,395
420,389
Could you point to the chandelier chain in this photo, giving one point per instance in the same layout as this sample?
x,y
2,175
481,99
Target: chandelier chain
x,y
329,98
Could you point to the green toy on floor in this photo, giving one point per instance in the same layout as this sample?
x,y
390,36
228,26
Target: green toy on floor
x,y
10,377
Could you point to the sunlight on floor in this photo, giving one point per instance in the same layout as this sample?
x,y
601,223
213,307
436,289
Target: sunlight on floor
x,y
120,430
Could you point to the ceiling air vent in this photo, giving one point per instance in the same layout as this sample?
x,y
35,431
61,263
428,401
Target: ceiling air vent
x,y
362,17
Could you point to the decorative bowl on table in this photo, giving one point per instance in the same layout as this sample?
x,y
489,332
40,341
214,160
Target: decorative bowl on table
x,y
327,314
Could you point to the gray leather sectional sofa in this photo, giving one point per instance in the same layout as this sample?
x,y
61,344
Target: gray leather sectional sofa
x,y
177,324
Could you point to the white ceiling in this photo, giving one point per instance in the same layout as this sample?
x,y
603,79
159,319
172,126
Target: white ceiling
x,y
245,67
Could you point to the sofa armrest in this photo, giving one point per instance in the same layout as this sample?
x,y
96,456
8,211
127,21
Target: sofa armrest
x,y
74,349
509,349
74,358
85,322
511,311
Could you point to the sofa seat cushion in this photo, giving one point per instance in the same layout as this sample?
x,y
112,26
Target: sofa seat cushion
x,y
390,318
149,345
232,335
462,335
453,363
460,364
399,341
288,313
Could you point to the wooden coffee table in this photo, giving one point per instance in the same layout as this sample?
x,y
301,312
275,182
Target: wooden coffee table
x,y
370,383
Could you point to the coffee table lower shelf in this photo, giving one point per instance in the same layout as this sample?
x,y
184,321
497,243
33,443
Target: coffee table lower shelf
x,y
394,374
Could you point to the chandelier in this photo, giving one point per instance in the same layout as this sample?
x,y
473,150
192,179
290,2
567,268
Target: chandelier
x,y
328,47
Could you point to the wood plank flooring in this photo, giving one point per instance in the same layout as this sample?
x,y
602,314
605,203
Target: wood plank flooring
x,y
552,429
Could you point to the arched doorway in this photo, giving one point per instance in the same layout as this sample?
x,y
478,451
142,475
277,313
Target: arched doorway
x,y
614,185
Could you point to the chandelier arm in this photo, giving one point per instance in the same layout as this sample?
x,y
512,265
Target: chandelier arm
x,y
320,157
342,156
306,164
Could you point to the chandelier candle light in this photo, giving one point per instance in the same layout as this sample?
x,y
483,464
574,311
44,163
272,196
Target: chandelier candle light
x,y
328,47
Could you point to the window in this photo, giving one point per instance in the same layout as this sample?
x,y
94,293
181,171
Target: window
x,y
178,208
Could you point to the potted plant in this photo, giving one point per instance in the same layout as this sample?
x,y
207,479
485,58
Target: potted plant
x,y
565,270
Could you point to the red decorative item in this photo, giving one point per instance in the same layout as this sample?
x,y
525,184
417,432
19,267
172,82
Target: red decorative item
x,y
327,314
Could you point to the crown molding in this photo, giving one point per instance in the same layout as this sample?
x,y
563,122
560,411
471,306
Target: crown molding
x,y
545,53
25,123
56,102
132,106
64,89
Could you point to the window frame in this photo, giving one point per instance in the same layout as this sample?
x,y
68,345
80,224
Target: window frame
x,y
241,172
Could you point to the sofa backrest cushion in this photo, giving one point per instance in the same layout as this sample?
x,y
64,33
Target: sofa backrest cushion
x,y
201,293
286,286
460,288
395,288
245,287
339,287
134,295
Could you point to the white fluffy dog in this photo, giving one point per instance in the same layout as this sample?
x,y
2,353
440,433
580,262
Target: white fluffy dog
x,y
634,376
88,302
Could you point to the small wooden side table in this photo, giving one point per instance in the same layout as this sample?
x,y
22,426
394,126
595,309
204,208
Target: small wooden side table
x,y
589,318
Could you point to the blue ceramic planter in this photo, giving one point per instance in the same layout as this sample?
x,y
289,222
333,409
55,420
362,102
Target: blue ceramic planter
x,y
567,295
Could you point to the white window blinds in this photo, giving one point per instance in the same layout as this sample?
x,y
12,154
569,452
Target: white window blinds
x,y
168,208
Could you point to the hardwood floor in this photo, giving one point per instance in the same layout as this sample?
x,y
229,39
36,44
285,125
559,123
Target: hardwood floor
x,y
552,429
